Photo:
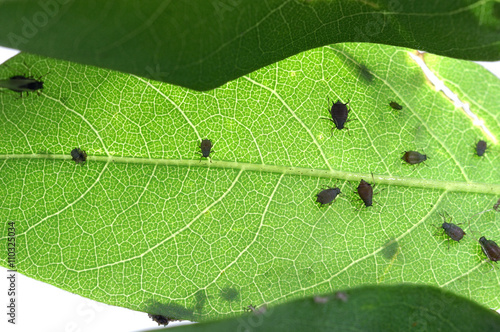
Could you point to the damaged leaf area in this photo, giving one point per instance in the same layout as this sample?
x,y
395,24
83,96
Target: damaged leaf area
x,y
145,224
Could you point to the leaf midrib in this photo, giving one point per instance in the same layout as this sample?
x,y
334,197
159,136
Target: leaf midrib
x,y
451,186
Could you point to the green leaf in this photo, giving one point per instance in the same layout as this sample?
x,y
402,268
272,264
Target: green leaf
x,y
371,308
202,44
146,225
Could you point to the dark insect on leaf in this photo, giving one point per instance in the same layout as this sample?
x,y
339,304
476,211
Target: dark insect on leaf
x,y
205,146
161,320
365,192
413,157
395,105
259,311
339,113
453,231
497,204
480,148
250,308
21,84
327,196
78,155
490,249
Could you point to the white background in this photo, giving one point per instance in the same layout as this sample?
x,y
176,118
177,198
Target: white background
x,y
43,307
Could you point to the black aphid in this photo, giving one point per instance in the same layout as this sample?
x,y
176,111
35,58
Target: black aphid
x,y
327,196
453,231
414,157
497,204
395,105
490,249
21,84
365,192
252,308
205,146
339,113
480,148
161,320
78,155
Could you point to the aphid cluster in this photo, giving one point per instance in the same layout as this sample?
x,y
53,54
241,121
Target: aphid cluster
x,y
339,114
454,232
27,84
328,195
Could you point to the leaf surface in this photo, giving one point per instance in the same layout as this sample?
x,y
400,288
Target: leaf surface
x,y
146,225
202,44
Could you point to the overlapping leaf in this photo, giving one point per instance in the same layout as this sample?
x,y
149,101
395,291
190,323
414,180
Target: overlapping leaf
x,y
146,225
201,44
372,308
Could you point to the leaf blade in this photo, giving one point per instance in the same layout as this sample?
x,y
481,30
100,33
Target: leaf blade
x,y
145,222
